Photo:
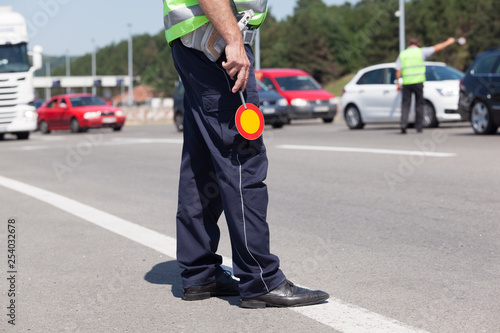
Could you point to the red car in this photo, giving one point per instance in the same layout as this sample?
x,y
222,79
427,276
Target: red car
x,y
306,98
78,112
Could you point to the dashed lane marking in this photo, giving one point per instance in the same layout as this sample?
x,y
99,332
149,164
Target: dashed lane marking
x,y
335,313
367,150
113,142
129,141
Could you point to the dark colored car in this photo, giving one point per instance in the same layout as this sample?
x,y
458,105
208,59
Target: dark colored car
x,y
78,112
273,106
479,100
38,102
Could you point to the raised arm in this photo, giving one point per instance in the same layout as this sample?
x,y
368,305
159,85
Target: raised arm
x,y
443,45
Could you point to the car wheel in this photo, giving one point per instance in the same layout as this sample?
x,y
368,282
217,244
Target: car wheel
x,y
74,126
179,120
44,127
481,119
277,124
429,118
328,120
117,128
352,117
1,136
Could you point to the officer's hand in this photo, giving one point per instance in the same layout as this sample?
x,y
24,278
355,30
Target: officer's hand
x,y
237,65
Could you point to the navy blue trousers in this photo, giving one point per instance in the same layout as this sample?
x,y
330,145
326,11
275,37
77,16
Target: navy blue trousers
x,y
221,172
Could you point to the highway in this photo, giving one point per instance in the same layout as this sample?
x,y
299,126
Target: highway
x,y
403,231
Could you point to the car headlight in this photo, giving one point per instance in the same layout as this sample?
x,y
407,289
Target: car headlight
x,y
30,114
118,113
92,115
448,92
333,101
299,102
282,102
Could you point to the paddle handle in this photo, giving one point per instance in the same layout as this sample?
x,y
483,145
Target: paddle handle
x,y
243,99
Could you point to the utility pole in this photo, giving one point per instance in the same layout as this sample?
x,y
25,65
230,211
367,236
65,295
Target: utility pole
x,y
257,50
402,41
94,90
68,70
130,69
47,73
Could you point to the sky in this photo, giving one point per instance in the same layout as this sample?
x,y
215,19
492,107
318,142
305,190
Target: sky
x,y
75,27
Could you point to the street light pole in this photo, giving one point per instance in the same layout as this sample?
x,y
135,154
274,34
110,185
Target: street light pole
x,y
130,68
257,50
94,90
402,42
47,89
68,70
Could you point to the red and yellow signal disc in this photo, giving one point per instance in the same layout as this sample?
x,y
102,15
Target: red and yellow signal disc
x,y
249,121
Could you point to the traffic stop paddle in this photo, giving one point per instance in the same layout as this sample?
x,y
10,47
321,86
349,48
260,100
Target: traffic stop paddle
x,y
461,41
249,120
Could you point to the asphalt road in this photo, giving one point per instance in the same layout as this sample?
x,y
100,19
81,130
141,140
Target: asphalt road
x,y
400,230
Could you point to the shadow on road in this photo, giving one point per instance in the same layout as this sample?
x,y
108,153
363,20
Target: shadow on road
x,y
167,272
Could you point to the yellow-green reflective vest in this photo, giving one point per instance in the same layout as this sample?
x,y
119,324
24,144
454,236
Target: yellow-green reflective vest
x,y
183,16
412,66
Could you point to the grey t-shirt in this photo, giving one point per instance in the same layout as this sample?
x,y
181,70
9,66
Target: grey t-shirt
x,y
426,53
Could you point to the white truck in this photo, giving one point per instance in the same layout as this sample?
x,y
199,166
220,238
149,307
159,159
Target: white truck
x,y
17,114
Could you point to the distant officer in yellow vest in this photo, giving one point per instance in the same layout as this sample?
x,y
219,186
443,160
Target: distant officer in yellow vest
x,y
410,66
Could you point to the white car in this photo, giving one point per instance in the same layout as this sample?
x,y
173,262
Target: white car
x,y
372,97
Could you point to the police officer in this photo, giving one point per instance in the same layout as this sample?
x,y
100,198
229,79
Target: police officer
x,y
410,66
220,170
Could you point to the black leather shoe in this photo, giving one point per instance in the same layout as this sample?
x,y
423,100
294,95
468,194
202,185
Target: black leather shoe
x,y
403,131
223,285
285,295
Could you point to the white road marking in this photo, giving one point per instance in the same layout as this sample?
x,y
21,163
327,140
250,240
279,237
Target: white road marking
x,y
31,148
368,150
349,318
337,314
137,233
113,142
132,140
51,138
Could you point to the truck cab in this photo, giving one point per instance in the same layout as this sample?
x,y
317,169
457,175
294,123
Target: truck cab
x,y
17,114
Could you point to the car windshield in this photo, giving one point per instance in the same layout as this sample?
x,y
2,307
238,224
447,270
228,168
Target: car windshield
x,y
14,58
441,73
302,82
486,65
86,100
261,86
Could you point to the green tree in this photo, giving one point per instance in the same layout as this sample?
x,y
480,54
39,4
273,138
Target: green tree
x,y
326,41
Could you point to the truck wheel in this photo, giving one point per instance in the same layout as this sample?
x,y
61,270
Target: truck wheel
x,y
23,135
44,127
